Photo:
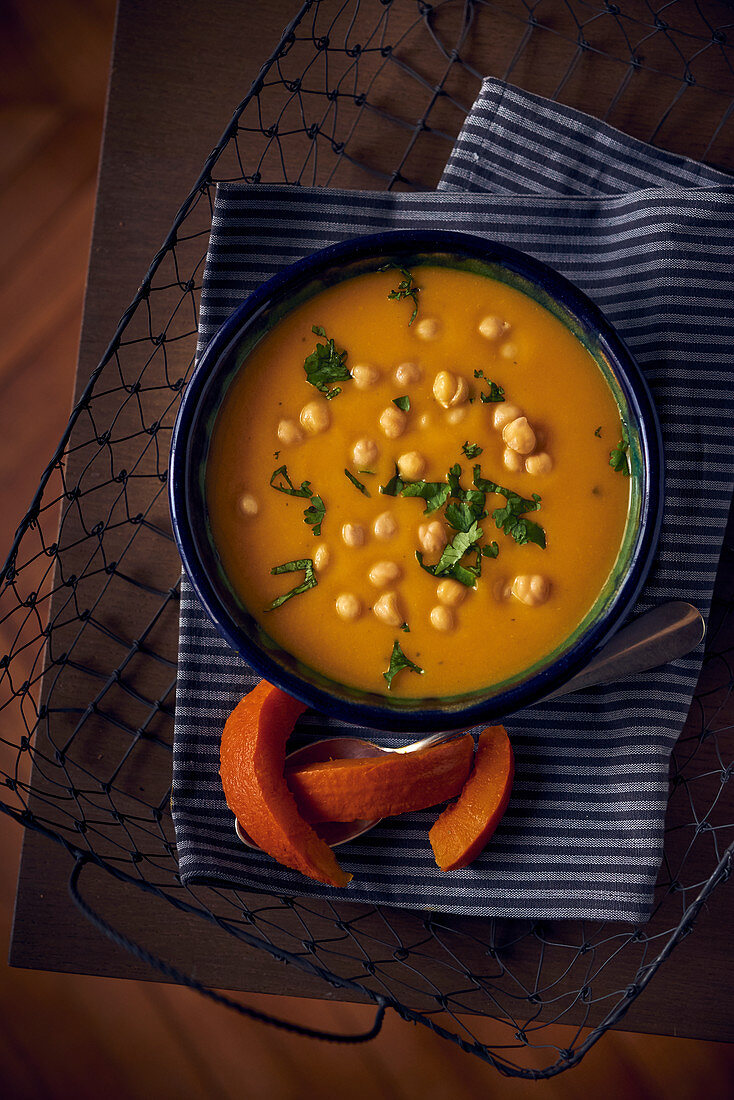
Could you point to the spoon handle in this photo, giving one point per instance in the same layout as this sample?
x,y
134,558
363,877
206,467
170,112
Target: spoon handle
x,y
432,739
661,635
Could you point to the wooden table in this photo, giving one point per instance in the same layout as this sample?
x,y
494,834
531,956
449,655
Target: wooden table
x,y
178,70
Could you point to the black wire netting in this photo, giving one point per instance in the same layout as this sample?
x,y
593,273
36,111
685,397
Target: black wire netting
x,y
364,94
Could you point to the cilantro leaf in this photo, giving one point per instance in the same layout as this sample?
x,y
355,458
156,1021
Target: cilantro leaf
x,y
510,519
405,289
597,433
491,550
394,486
435,493
471,450
618,458
462,515
310,581
314,514
398,661
403,403
495,394
286,485
325,365
358,484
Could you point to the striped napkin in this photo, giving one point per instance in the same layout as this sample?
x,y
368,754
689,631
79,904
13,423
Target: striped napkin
x,y
647,235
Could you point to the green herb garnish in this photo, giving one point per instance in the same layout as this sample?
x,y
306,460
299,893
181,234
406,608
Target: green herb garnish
x,y
394,486
326,365
358,484
618,459
286,485
435,493
398,661
597,433
405,289
471,450
405,628
491,550
314,514
495,394
403,403
305,564
510,519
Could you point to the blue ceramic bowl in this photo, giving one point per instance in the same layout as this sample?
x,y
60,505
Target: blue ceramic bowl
x,y
223,359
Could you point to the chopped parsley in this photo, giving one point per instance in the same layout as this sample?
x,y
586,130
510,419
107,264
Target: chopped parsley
x,y
314,514
326,365
403,403
286,485
358,484
471,450
398,661
618,458
495,394
305,564
405,289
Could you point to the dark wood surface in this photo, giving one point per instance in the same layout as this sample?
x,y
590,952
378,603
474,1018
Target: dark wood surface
x,y
177,73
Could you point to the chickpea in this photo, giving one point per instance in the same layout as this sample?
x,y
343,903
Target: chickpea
x,y
385,526
387,609
364,375
315,417
321,557
412,465
428,329
455,416
492,327
348,607
442,618
512,460
383,573
247,505
365,452
450,390
504,413
532,589
393,421
451,593
289,432
354,534
519,436
432,537
408,373
539,464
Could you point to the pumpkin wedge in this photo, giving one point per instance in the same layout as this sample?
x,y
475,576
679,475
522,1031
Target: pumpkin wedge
x,y
252,762
464,828
381,786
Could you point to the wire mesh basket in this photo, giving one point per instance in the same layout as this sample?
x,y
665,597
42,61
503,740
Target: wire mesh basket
x,y
357,94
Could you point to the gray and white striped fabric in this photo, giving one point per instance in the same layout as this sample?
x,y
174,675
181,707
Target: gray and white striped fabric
x,y
648,236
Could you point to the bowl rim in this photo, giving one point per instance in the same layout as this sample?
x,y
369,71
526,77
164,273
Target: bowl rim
x,y
393,243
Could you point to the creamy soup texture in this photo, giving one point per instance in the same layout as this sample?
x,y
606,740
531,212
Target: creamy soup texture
x,y
484,391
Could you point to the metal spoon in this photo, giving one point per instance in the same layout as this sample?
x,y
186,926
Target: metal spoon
x,y
655,638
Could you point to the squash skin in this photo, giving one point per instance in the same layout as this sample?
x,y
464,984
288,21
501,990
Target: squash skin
x,y
252,764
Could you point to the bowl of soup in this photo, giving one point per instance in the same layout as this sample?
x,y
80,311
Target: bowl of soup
x,y
416,480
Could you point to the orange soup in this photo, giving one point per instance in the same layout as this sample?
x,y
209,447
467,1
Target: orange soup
x,y
409,483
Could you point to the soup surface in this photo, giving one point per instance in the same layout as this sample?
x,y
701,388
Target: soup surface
x,y
488,409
